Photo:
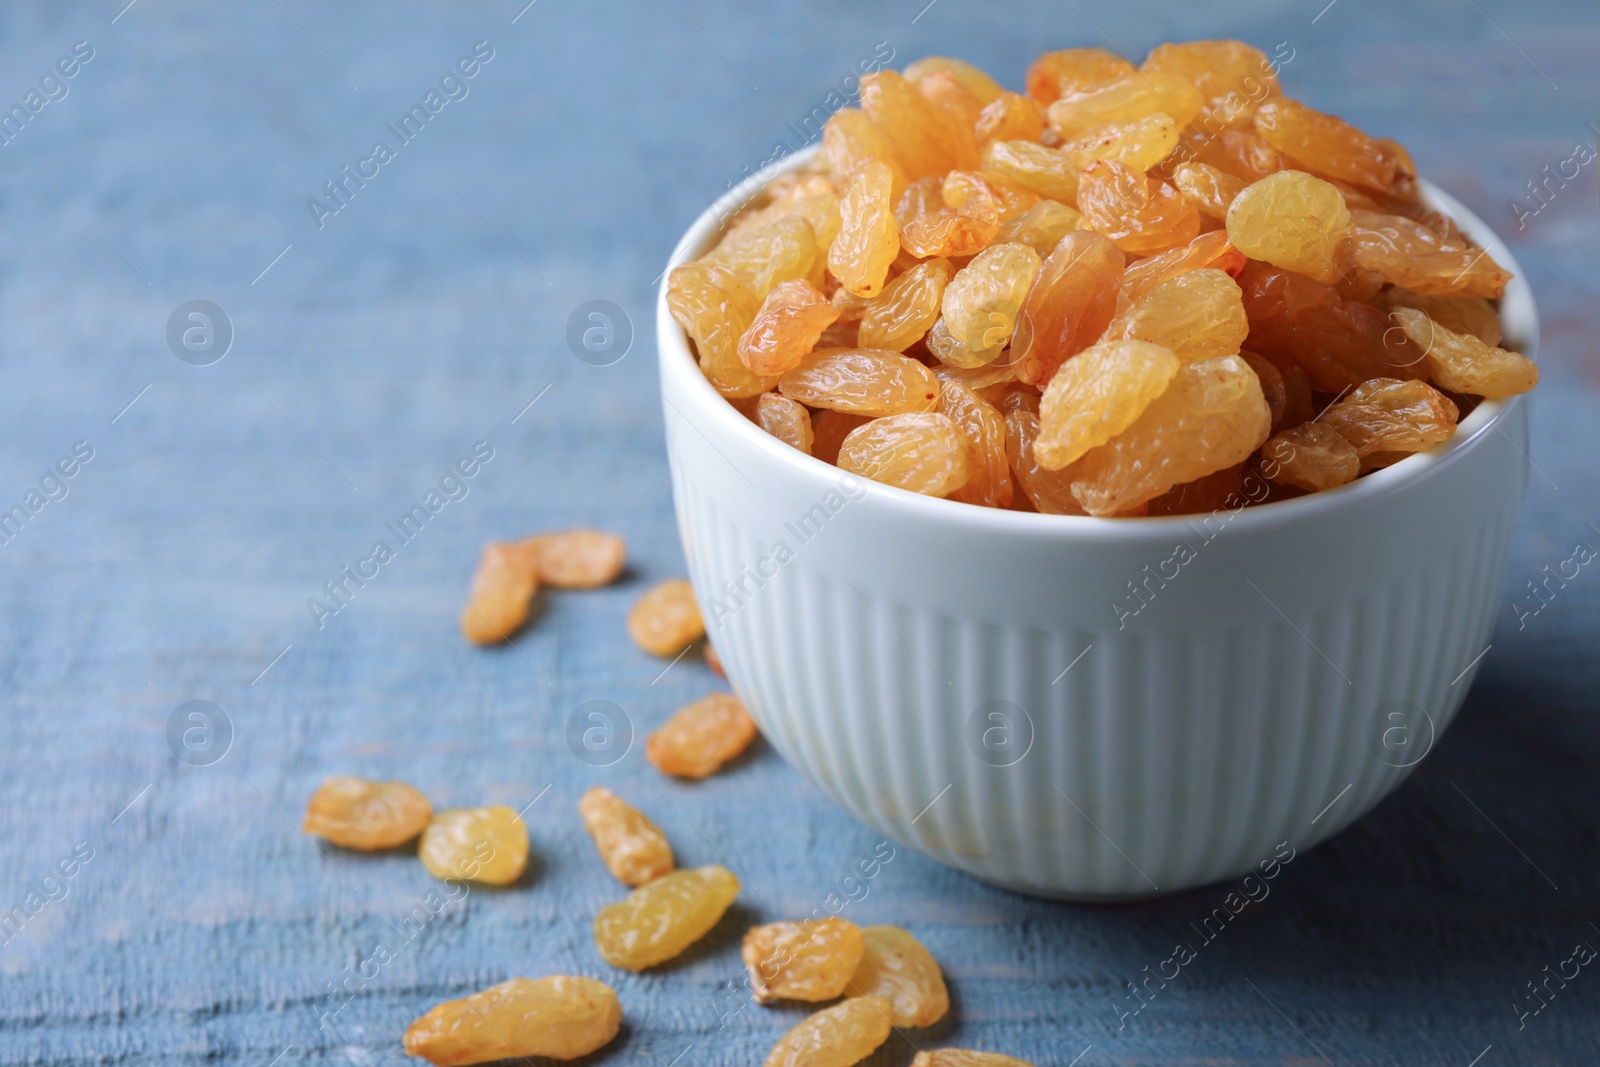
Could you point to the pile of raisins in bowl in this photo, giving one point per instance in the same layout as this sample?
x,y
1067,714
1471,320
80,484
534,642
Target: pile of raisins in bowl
x,y
1126,291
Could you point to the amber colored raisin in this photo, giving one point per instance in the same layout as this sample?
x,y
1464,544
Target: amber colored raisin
x,y
1312,456
1208,250
922,452
1141,214
952,353
1070,304
1010,117
896,967
1241,153
765,257
1390,415
1461,363
869,238
849,139
701,737
1050,173
666,618
577,558
1042,226
1218,491
1073,70
830,429
989,473
1210,190
1411,255
1273,387
809,960
786,420
502,590
786,328
943,232
838,1036
1463,314
961,1057
985,88
1211,416
1139,144
924,139
981,303
488,845
986,194
1324,144
355,813
1126,99
862,381
977,379
715,308
1197,314
906,309
1232,78
663,917
562,1017
945,91
1049,491
633,848
1096,395
1292,220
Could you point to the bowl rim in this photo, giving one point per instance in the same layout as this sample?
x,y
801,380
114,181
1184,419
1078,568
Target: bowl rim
x,y
676,359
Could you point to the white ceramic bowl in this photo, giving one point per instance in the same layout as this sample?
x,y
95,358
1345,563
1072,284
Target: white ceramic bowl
x,y
963,680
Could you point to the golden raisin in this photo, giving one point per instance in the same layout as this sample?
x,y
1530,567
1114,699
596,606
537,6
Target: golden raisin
x,y
786,328
1461,363
952,353
1463,314
633,848
1096,395
922,452
355,813
488,845
1046,171
1324,144
838,1036
1124,100
849,139
666,618
765,257
989,473
1070,305
944,90
1141,214
1010,117
925,140
1212,415
985,88
1210,190
1208,250
1073,70
663,917
1241,153
862,381
830,428
810,960
986,194
715,308
1389,415
701,737
869,238
786,420
562,1017
1050,492
1409,254
1292,220
1042,226
905,310
502,590
1231,76
1139,144
1312,456
896,967
577,558
1197,314
981,303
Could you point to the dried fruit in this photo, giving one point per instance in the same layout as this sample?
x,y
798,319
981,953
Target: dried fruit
x,y
1211,416
896,967
1049,491
906,309
1463,314
355,813
634,850
488,845
1231,76
1139,144
831,428
1324,144
562,1017
715,308
961,1057
1241,153
868,237
862,381
959,104
786,420
1463,364
666,618
988,471
1273,387
1411,255
786,328
1073,70
835,1037
1198,314
922,452
1386,415
1126,99
1042,226
849,139
986,194
1312,456
1141,214
1070,305
701,737
985,88
1096,395
577,558
810,960
924,140
663,917
502,589
981,303
1009,117
1208,250
765,257
1209,189
1292,220
1046,171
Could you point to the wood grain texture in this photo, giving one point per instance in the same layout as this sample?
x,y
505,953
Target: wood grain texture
x,y
422,318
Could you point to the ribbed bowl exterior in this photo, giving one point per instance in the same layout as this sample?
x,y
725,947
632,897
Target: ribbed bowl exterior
x,y
1095,709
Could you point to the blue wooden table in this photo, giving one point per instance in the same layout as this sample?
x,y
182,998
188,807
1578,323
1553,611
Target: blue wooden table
x,y
375,316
